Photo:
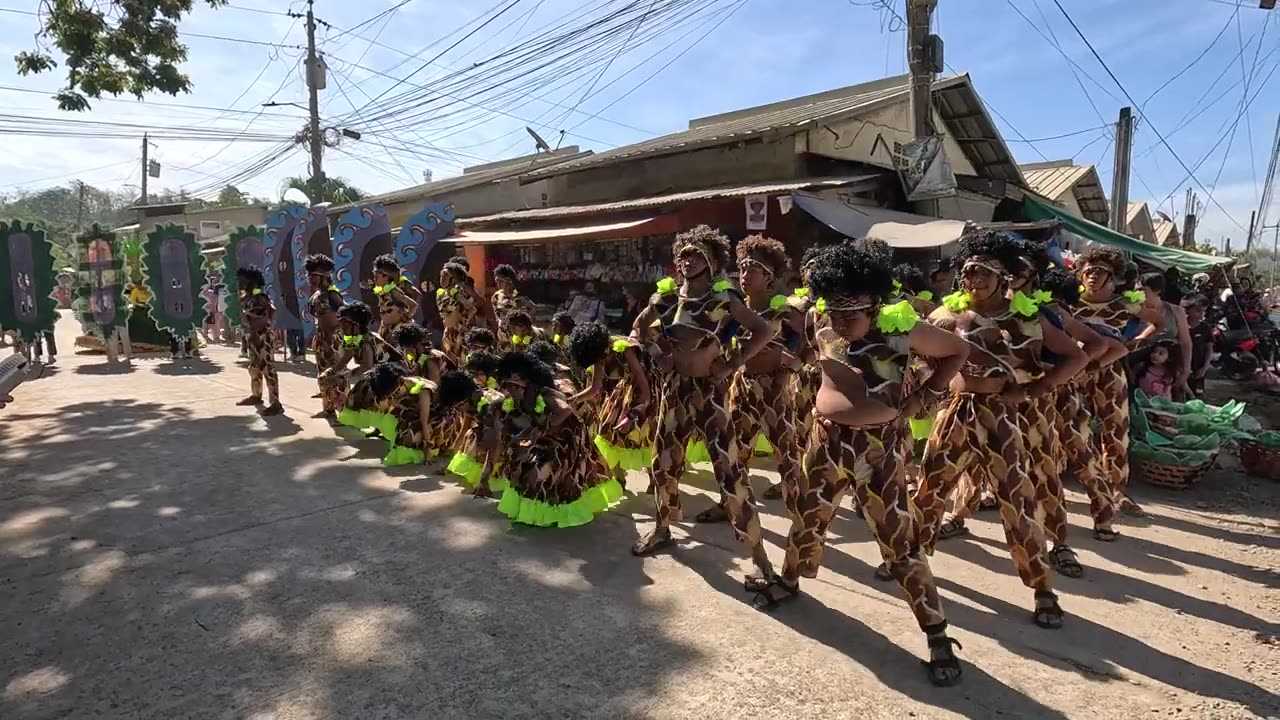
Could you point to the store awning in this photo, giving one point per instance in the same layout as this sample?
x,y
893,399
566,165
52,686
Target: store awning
x,y
658,225
1161,257
898,229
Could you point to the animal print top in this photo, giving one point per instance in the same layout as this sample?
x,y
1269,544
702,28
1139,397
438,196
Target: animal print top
x,y
457,309
1012,341
882,360
258,305
777,315
325,301
421,362
371,347
708,314
406,405
504,304
1113,315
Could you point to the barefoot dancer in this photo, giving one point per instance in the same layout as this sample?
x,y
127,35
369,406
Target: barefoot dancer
x,y
982,430
761,396
367,349
479,433
397,297
458,304
855,443
616,369
259,314
698,327
1117,314
327,340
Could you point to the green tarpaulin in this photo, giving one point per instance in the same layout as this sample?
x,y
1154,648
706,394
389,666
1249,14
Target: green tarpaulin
x,y
1163,257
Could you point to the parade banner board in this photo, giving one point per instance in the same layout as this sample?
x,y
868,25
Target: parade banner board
x,y
26,260
285,254
362,234
99,289
246,247
175,275
419,235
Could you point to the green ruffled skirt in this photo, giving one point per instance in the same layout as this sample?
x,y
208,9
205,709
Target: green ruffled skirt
x,y
469,470
539,513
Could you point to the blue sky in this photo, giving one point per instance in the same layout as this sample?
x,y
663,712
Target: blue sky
x,y
765,51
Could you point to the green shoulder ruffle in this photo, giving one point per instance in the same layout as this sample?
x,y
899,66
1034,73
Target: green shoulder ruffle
x,y
921,427
540,513
623,457
470,469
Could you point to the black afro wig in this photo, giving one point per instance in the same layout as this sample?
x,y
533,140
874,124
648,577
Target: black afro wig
x,y
1106,256
409,335
358,313
384,378
483,362
519,317
319,263
506,272
480,337
849,271
994,244
1034,255
588,344
526,367
545,351
1064,286
911,277
386,264
563,323
252,276
454,387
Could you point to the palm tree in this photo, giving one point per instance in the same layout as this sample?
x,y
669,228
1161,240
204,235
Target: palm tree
x,y
331,189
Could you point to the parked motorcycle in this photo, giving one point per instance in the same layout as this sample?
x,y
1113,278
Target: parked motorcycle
x,y
1247,348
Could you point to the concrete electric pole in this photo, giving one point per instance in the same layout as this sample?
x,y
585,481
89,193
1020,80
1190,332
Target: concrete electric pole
x,y
1189,213
924,57
145,168
313,81
1120,173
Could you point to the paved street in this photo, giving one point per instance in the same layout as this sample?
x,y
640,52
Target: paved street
x,y
166,554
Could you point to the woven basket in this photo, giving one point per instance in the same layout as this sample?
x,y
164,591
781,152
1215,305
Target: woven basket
x,y
1259,460
1179,477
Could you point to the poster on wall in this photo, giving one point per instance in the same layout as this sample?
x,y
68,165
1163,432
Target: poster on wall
x,y
925,171
757,207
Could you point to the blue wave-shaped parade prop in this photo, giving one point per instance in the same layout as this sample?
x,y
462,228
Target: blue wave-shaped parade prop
x,y
419,235
313,220
355,228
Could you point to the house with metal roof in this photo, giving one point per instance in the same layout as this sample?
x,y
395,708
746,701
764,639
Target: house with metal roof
x,y
1077,188
1167,234
1138,223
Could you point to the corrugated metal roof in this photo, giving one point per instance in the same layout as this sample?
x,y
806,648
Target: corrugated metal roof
x,y
465,180
1167,231
1135,210
791,115
1053,182
767,188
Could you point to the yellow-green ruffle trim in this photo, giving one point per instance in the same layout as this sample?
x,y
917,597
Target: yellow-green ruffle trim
x,y
920,427
696,451
470,469
539,513
762,445
625,458
384,423
401,455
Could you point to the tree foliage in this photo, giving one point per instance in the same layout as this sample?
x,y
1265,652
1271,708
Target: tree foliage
x,y
111,47
332,189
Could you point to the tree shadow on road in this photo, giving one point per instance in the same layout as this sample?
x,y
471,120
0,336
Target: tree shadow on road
x,y
158,563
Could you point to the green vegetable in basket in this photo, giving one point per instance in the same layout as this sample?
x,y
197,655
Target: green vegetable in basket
x,y
1231,412
1194,425
1139,425
1192,442
1155,439
1248,423
1161,403
1193,406
1270,438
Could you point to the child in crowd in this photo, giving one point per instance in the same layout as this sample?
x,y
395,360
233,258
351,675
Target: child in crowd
x,y
1201,341
1157,378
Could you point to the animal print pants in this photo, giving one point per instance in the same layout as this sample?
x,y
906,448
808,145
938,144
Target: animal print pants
x,y
694,409
1110,405
806,384
971,432
260,347
1079,454
332,388
1045,449
454,343
869,461
763,403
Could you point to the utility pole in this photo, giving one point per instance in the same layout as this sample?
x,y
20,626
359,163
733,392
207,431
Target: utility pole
x,y
1189,213
80,205
145,170
1248,242
924,55
1120,173
313,72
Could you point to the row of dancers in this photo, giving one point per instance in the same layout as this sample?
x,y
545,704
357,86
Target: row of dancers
x,y
857,380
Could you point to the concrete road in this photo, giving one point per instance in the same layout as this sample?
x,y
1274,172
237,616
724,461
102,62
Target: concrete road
x,y
166,554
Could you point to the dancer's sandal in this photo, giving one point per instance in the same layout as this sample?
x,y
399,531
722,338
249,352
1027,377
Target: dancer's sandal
x,y
768,597
882,573
1048,613
953,527
1131,508
652,543
1105,534
774,492
944,670
987,503
714,514
1064,560
274,408
251,400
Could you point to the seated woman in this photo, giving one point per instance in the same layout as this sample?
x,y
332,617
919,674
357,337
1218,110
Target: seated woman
x,y
556,479
618,373
479,440
420,410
